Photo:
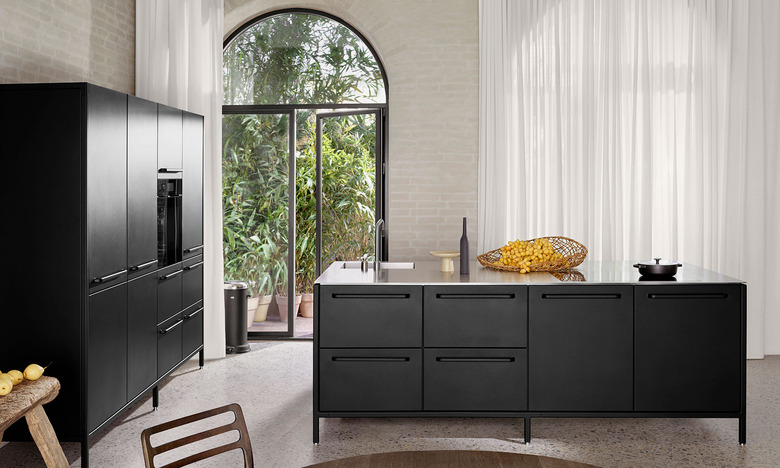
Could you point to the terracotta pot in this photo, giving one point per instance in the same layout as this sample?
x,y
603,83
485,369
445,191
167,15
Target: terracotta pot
x,y
251,305
281,301
307,305
262,307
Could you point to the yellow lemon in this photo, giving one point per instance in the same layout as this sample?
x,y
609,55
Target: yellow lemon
x,y
6,385
16,375
33,372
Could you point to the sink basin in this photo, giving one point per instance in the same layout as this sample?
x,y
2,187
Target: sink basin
x,y
383,266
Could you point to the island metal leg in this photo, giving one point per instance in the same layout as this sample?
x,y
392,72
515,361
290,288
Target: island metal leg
x,y
316,433
155,398
742,429
527,430
200,358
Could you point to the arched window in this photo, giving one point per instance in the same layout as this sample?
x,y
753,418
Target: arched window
x,y
304,125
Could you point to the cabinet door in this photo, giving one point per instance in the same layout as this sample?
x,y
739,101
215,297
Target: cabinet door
x,y
141,185
169,292
141,334
106,354
192,282
192,185
370,380
475,380
370,316
169,335
192,329
169,134
689,349
580,348
106,185
476,316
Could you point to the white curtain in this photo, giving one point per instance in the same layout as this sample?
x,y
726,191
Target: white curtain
x,y
179,63
642,128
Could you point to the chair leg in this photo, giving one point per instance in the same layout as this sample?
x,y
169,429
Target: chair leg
x,y
45,438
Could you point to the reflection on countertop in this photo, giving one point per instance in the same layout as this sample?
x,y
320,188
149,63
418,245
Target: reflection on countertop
x,y
589,272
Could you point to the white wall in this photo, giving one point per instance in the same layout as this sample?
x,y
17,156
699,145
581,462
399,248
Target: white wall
x,y
80,40
430,51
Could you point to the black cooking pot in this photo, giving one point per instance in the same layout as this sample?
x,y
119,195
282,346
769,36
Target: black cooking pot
x,y
657,268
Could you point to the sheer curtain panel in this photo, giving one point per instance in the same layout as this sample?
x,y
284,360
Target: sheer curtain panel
x,y
642,128
179,63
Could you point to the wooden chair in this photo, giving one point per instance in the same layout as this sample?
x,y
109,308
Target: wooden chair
x,y
238,425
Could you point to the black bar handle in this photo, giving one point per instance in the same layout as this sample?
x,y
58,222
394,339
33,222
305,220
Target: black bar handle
x,y
193,266
143,265
178,322
475,359
475,296
170,275
169,170
371,296
581,296
108,277
189,316
193,249
689,296
370,359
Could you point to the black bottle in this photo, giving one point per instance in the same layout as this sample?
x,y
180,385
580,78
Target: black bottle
x,y
464,251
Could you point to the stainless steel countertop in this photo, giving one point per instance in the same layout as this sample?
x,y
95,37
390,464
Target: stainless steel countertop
x,y
589,272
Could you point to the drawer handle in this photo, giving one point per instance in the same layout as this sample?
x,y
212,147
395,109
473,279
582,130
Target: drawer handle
x,y
475,359
371,296
193,249
179,322
189,316
581,296
108,277
193,266
689,296
370,359
475,296
170,275
143,265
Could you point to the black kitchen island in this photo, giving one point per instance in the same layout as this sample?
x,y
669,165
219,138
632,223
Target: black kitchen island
x,y
598,341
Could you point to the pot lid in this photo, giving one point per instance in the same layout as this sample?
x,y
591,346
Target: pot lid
x,y
658,261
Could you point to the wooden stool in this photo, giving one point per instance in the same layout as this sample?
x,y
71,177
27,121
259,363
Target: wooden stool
x,y
27,399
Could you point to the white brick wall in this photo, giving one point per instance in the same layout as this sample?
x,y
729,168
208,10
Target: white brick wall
x,y
78,40
430,50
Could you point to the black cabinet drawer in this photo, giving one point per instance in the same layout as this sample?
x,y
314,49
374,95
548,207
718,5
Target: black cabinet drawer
x,y
370,380
169,287
370,316
476,316
689,352
580,348
141,334
192,328
169,336
192,281
475,380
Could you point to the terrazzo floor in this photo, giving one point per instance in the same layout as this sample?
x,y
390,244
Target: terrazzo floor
x,y
273,383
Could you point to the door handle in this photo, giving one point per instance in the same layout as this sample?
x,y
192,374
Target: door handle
x,y
169,170
193,266
108,277
178,322
193,249
581,296
170,275
689,296
371,296
475,359
143,265
370,359
475,296
187,317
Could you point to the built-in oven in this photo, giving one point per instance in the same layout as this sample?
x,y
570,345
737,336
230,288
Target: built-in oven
x,y
169,221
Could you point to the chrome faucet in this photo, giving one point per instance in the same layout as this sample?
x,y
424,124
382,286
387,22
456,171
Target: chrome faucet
x,y
378,231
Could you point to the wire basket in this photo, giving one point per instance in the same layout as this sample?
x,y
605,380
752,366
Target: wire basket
x,y
573,253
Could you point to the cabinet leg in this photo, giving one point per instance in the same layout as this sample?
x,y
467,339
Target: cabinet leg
x,y
742,430
527,430
155,398
316,433
200,358
84,453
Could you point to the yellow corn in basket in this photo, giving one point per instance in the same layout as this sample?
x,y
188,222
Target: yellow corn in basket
x,y
573,254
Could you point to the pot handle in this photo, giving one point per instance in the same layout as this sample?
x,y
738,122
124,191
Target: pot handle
x,y
679,264
636,265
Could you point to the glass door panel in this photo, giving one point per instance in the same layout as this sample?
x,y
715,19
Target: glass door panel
x,y
256,173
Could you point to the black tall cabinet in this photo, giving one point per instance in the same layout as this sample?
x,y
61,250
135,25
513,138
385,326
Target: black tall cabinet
x,y
82,279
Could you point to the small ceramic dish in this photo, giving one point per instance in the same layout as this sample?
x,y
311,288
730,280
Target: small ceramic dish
x,y
446,257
